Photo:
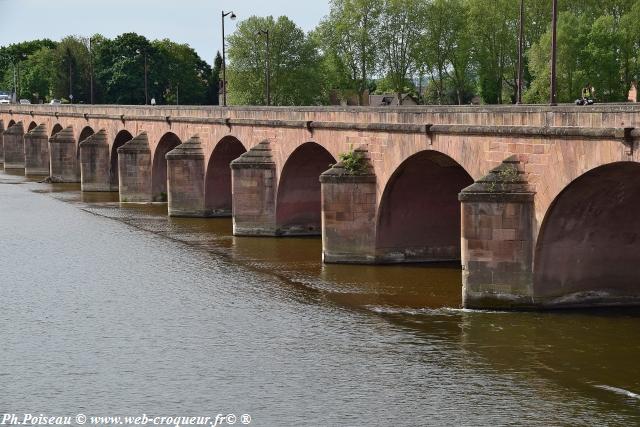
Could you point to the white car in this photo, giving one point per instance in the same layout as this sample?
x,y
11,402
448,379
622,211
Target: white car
x,y
25,101
5,99
55,102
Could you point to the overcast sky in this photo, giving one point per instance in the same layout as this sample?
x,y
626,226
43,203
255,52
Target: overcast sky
x,y
195,22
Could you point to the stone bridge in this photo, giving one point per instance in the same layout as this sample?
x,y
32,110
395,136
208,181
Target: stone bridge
x,y
540,204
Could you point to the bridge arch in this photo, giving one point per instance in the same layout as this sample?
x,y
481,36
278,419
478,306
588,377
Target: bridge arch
x,y
32,126
419,213
121,138
586,250
298,201
11,123
56,128
218,175
168,142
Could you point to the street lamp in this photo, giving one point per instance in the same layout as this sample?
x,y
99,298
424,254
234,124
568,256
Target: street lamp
x,y
224,58
554,48
520,51
146,88
267,67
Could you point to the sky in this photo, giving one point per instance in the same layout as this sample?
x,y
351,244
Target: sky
x,y
194,22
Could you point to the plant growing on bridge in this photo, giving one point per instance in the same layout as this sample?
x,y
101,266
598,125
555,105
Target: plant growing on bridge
x,y
354,162
503,177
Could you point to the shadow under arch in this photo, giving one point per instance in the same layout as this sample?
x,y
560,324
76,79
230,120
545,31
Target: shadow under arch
x,y
121,138
587,249
56,128
218,200
32,126
11,123
168,142
298,202
419,213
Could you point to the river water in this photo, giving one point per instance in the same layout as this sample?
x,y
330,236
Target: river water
x,y
112,310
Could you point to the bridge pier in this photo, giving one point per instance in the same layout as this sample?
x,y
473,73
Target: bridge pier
x,y
94,163
253,182
348,216
14,147
63,161
134,170
36,151
498,240
185,179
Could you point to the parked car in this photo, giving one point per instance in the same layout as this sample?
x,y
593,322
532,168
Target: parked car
x,y
55,102
5,99
25,101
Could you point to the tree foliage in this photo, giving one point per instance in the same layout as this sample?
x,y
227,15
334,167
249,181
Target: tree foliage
x,y
293,58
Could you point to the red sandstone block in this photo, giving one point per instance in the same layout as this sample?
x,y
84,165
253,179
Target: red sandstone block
x,y
504,234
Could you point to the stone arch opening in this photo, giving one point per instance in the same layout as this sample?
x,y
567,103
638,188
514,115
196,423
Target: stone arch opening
x,y
32,126
121,138
298,203
587,248
419,213
168,142
218,177
56,128
11,123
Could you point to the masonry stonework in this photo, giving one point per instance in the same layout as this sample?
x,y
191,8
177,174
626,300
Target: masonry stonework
x,y
185,179
555,147
134,170
36,151
95,162
13,139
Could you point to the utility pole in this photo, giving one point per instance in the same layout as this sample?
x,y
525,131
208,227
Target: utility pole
x,y
520,52
554,48
146,87
70,82
91,69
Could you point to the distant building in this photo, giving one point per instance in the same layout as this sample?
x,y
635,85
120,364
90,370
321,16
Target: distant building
x,y
391,100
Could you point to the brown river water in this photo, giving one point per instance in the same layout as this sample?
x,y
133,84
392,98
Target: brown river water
x,y
118,310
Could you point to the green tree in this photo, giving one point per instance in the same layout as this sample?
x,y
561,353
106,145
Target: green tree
x,y
573,34
347,38
399,34
179,74
38,76
294,64
72,71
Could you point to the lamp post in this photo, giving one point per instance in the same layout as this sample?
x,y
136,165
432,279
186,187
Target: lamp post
x,y
70,77
146,86
520,51
91,70
267,67
224,58
554,48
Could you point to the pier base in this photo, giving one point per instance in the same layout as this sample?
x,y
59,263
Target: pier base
x,y
185,180
253,182
497,240
134,170
36,152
